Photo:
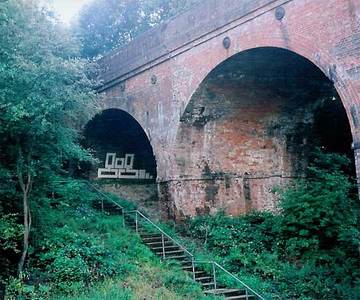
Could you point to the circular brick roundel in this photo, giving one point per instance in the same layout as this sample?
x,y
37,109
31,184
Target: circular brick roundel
x,y
153,79
226,42
279,13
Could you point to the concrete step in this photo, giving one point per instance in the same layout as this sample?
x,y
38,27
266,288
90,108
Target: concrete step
x,y
187,267
223,291
204,279
166,247
172,252
153,238
176,257
145,235
207,284
230,293
240,297
131,225
199,273
186,263
152,243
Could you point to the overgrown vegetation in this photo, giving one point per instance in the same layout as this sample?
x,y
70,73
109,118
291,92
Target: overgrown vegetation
x,y
309,250
45,94
78,252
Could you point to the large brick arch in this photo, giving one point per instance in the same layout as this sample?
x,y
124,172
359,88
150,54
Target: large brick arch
x,y
305,48
191,191
301,45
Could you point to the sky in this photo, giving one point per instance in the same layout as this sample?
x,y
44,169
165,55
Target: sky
x,y
67,9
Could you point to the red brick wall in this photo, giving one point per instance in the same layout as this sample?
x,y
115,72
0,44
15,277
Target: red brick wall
x,y
326,32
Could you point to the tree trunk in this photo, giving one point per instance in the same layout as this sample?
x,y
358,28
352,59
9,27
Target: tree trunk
x,y
25,187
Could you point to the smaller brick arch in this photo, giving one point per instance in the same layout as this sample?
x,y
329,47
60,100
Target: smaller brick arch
x,y
121,132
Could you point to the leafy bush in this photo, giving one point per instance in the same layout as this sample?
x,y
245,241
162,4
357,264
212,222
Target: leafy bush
x,y
318,212
10,232
307,250
78,252
10,235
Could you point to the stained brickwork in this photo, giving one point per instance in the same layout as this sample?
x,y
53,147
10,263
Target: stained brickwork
x,y
220,154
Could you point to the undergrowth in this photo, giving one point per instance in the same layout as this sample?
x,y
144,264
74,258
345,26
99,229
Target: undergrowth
x,y
308,250
79,253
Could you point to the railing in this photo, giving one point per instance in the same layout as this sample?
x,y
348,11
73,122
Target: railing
x,y
163,234
100,192
215,267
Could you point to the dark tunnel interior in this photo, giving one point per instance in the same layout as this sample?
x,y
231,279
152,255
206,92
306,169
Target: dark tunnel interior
x,y
116,131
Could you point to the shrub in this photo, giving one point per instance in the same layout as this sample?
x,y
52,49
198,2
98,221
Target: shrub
x,y
307,250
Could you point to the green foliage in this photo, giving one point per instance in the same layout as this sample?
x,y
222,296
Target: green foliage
x,y
10,234
105,25
42,83
10,231
307,250
46,94
318,213
79,253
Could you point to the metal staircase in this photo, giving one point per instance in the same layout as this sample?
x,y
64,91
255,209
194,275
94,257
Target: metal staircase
x,y
208,274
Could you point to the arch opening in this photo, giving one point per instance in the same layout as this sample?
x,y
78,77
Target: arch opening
x,y
126,162
252,124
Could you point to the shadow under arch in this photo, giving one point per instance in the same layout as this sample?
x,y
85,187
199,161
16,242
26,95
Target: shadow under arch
x,y
307,49
116,131
251,124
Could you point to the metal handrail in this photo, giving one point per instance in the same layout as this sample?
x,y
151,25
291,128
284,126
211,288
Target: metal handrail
x,y
106,196
96,189
144,217
162,231
238,280
213,263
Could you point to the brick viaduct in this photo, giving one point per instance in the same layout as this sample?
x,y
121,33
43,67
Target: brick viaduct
x,y
215,87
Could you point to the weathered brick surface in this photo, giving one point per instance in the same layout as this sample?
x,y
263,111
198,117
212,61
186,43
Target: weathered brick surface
x,y
182,52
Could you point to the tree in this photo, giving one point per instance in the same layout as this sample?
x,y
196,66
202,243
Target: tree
x,y
108,24
45,94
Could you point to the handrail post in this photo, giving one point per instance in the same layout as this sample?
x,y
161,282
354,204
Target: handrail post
x,y
214,274
163,245
102,205
136,222
246,294
123,215
193,267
